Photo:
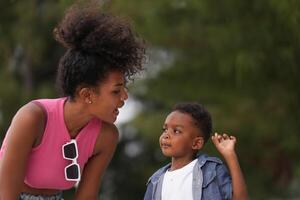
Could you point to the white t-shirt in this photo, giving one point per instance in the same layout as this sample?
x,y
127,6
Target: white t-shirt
x,y
177,184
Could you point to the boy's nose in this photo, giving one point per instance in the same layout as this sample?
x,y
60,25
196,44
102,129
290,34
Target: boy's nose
x,y
166,135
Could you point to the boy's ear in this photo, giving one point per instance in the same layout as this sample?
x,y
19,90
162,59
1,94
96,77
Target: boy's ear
x,y
198,143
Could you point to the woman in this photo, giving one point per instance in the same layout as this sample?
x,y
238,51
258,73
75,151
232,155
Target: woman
x,y
52,144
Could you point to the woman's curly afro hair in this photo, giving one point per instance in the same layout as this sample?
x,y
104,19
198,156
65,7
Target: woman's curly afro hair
x,y
96,43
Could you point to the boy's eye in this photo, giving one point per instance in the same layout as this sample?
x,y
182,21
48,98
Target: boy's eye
x,y
176,131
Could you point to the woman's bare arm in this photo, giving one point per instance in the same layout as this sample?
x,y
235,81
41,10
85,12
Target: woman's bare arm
x,y
26,125
105,147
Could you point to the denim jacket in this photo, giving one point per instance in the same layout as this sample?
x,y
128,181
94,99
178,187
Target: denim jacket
x,y
211,181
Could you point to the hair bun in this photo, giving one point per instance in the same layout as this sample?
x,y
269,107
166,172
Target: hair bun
x,y
87,30
75,27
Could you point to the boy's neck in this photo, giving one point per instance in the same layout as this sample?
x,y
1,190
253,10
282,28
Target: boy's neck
x,y
178,163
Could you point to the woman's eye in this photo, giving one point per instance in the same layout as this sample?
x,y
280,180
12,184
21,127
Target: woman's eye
x,y
116,91
164,129
176,131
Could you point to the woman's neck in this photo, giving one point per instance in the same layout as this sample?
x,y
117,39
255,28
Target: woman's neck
x,y
75,117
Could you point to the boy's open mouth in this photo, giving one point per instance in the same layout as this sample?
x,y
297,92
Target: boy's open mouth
x,y
165,145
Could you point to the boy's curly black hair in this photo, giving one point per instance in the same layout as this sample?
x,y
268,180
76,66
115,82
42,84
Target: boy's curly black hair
x,y
97,43
199,114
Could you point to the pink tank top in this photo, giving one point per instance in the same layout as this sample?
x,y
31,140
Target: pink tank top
x,y
45,169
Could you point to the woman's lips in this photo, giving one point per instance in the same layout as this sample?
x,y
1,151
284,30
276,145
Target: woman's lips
x,y
116,111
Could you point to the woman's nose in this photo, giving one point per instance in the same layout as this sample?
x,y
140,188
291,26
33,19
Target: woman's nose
x,y
124,95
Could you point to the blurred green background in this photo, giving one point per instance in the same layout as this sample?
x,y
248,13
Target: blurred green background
x,y
239,58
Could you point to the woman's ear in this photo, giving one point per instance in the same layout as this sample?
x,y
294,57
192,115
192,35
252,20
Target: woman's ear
x,y
198,143
86,95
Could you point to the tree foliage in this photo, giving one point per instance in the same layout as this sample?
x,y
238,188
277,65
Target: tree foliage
x,y
238,58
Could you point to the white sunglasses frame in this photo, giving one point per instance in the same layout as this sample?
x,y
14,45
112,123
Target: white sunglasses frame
x,y
74,160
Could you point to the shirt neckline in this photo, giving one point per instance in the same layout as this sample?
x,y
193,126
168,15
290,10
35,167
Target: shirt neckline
x,y
66,131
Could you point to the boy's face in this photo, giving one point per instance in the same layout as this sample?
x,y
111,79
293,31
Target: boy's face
x,y
180,137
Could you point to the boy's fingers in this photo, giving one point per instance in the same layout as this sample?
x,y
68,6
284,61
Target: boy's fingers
x,y
233,138
225,136
215,138
219,137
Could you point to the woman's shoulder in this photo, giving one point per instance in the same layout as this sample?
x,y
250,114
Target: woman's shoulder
x,y
108,130
108,137
26,125
30,113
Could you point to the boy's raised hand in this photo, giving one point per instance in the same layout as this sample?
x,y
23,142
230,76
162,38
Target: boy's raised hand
x,y
225,144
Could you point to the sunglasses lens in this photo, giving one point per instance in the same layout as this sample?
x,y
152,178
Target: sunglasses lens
x,y
70,151
72,171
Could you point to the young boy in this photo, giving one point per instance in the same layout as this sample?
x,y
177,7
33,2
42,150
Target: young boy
x,y
190,177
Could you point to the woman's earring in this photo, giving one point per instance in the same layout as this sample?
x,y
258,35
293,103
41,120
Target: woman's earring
x,y
90,102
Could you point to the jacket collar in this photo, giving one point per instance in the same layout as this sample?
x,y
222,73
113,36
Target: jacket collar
x,y
202,159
